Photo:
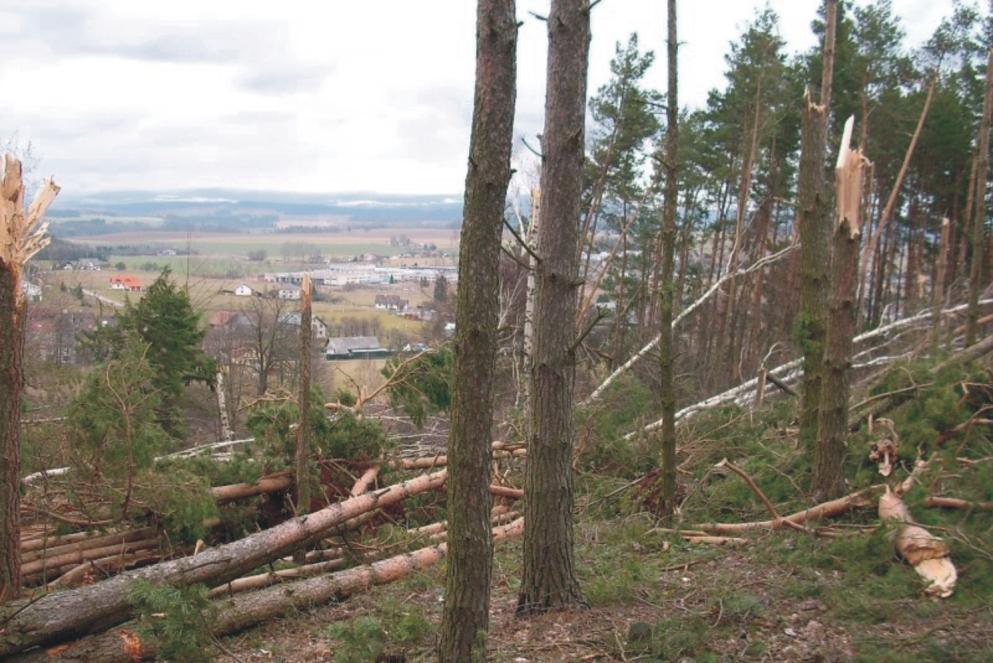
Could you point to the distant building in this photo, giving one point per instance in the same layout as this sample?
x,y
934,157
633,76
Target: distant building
x,y
288,293
31,291
243,291
233,319
318,326
126,283
354,347
391,303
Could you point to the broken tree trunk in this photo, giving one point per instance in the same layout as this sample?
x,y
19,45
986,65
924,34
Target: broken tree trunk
x,y
928,554
22,234
71,614
828,479
240,612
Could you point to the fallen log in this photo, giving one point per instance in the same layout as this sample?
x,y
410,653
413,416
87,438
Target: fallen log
x,y
956,503
272,483
928,554
716,540
363,482
105,565
791,370
828,509
71,559
77,612
54,541
244,610
507,491
82,544
261,580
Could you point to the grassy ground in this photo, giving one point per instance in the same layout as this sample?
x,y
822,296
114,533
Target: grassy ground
x,y
785,597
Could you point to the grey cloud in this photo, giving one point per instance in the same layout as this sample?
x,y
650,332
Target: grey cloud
x,y
286,79
71,31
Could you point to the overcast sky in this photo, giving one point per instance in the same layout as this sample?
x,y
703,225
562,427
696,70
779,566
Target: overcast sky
x,y
320,96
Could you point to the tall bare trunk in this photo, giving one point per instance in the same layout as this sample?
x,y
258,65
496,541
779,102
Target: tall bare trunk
x,y
940,276
467,576
979,223
667,387
828,480
549,578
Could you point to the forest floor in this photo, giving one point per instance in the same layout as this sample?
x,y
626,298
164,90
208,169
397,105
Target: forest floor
x,y
786,596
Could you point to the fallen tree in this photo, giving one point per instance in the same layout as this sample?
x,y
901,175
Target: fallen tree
x,y
71,614
248,609
758,264
791,371
827,509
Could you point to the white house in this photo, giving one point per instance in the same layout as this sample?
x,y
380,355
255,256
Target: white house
x,y
288,293
243,291
31,291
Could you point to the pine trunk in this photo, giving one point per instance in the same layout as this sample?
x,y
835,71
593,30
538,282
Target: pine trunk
x,y
815,232
467,578
303,436
549,577
979,223
667,387
11,383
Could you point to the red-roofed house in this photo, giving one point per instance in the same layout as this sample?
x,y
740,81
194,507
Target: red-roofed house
x,y
128,283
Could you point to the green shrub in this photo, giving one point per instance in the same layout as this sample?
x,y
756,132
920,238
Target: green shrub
x,y
177,619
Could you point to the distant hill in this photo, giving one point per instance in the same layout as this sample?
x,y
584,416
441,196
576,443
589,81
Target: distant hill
x,y
229,210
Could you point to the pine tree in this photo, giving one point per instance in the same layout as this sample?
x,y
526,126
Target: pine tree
x,y
470,553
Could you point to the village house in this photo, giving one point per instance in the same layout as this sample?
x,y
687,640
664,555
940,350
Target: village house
x,y
126,283
243,291
231,319
31,291
391,303
354,347
288,293
318,326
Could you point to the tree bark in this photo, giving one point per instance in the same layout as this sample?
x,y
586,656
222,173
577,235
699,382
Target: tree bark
x,y
979,223
71,614
667,387
467,578
815,232
549,578
302,455
828,479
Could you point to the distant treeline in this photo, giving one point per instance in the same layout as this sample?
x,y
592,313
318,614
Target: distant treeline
x,y
61,250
